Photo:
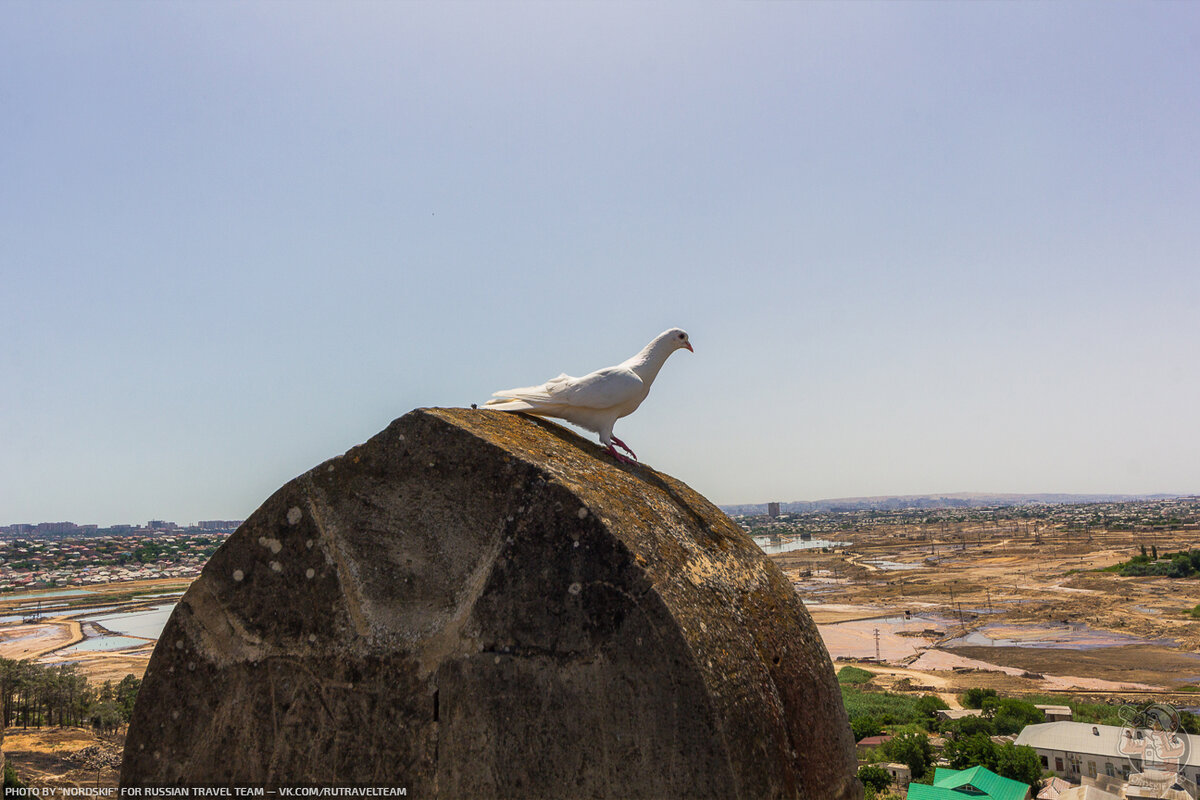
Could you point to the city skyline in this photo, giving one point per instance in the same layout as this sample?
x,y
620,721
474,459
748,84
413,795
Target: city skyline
x,y
918,248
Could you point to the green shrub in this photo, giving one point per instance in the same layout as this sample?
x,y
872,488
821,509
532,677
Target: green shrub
x,y
911,747
887,709
862,727
974,697
854,676
875,777
1010,714
11,781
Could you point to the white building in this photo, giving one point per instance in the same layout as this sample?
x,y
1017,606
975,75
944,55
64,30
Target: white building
x,y
1075,750
1055,713
901,774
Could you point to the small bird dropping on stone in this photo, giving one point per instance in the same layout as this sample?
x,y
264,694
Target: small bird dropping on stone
x,y
596,401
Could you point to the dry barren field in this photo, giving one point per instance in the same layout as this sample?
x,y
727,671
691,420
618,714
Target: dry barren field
x,y
1006,606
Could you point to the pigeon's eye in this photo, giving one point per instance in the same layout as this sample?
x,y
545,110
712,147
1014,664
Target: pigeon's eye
x,y
681,336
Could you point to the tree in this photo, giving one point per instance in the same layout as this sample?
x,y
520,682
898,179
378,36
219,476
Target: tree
x,y
105,716
968,726
909,746
863,727
928,705
126,694
1018,763
875,777
974,697
976,750
1010,714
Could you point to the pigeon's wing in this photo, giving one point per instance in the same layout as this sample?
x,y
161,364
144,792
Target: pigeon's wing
x,y
604,388
600,389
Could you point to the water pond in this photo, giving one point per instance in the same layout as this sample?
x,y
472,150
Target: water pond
x,y
882,563
771,547
105,643
1073,636
147,623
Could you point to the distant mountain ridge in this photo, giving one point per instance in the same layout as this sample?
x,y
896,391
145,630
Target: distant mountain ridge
x,y
935,501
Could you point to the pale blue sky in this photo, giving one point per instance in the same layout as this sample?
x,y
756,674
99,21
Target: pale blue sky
x,y
923,247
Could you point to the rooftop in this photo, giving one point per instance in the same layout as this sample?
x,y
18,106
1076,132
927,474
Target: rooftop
x,y
1107,740
976,783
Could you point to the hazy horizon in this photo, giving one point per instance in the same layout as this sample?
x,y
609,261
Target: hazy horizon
x,y
735,504
915,245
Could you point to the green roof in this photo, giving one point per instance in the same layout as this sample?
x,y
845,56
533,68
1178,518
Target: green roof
x,y
976,783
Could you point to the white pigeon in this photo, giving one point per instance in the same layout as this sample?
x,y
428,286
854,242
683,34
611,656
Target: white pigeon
x,y
597,400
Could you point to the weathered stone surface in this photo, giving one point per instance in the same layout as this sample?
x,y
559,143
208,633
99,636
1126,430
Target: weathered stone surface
x,y
478,604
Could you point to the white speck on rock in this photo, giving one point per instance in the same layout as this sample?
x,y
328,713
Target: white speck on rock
x,y
576,543
238,574
294,515
179,644
276,566
274,545
309,544
575,588
308,573
582,513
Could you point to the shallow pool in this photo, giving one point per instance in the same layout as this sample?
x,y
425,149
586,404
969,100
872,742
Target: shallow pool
x,y
766,544
105,643
1075,636
147,623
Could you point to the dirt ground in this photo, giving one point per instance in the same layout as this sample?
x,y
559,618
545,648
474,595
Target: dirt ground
x,y
30,641
52,757
1029,596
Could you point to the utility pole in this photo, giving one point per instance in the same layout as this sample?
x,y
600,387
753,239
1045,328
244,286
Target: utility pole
x,y
877,644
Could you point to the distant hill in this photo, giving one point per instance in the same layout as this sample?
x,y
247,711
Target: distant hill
x,y
934,501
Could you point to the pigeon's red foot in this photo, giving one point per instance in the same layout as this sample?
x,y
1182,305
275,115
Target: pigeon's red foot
x,y
622,459
624,447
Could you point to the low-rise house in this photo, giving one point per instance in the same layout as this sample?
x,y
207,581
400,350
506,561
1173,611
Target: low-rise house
x,y
1052,788
958,713
1079,750
976,783
1055,713
870,743
901,774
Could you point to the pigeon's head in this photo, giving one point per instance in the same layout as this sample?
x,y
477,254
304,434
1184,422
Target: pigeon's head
x,y
679,338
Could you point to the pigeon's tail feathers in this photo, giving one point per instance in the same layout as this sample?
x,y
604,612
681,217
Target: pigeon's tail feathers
x,y
533,394
509,404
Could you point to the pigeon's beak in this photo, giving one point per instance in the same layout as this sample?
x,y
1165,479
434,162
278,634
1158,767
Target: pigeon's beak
x,y
688,345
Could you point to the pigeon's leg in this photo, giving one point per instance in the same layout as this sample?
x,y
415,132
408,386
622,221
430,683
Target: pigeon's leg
x,y
624,447
617,455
